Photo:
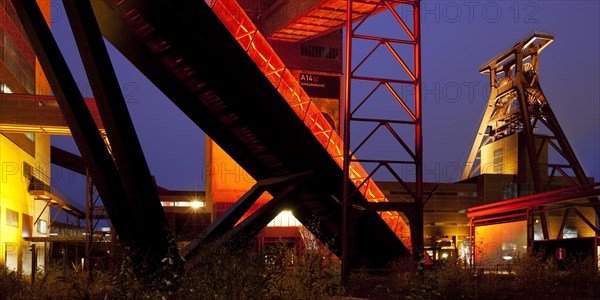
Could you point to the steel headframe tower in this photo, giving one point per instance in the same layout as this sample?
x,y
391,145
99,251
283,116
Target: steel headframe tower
x,y
403,53
517,105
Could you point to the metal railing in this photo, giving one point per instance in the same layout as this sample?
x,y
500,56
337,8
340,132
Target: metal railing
x,y
37,184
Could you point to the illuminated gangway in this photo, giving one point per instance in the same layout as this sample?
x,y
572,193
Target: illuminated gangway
x,y
24,113
295,21
212,62
257,47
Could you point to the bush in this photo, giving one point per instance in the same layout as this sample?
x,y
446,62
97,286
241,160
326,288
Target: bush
x,y
13,285
312,275
452,279
538,275
225,273
229,273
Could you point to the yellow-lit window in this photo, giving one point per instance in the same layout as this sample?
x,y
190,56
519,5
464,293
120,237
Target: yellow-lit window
x,y
12,218
498,161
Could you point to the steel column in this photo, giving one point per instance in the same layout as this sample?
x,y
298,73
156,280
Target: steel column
x,y
413,149
416,223
129,158
82,125
346,139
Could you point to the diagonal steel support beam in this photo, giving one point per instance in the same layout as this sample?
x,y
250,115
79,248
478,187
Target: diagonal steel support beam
x,y
559,236
139,186
586,221
247,228
227,221
80,121
42,212
252,225
67,160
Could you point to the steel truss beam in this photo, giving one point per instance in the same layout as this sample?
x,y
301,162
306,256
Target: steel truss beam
x,y
160,41
129,158
414,149
144,239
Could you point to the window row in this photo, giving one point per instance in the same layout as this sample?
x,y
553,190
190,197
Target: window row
x,y
12,219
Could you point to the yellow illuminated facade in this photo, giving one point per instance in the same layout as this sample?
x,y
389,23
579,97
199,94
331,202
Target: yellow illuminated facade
x,y
19,210
23,154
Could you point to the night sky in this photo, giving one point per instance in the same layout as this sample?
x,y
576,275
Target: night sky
x,y
457,38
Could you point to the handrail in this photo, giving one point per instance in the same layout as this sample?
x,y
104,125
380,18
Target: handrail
x,y
37,184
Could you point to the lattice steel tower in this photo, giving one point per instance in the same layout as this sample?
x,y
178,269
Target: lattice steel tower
x,y
519,128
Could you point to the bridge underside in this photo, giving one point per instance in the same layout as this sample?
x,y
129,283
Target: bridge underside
x,y
185,50
188,53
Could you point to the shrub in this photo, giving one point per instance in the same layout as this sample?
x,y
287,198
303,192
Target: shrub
x,y
576,278
13,285
312,275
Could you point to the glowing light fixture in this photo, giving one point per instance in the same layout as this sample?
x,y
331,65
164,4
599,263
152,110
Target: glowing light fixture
x,y
284,219
5,89
197,204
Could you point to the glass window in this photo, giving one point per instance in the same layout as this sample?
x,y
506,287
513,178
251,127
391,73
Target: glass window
x,y
27,170
12,218
498,159
42,227
570,233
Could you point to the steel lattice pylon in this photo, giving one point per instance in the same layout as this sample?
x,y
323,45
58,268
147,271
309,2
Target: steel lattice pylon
x,y
517,107
360,68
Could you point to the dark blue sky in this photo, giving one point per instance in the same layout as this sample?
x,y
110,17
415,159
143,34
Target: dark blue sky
x,y
457,37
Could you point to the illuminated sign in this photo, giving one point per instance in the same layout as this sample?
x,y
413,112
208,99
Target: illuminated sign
x,y
320,86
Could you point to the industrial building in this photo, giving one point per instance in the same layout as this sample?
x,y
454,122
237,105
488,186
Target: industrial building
x,y
24,154
262,181
504,170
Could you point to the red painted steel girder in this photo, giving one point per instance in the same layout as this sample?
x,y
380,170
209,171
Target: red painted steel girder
x,y
530,201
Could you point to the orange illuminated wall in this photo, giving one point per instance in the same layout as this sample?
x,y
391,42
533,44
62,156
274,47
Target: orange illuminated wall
x,y
227,181
42,87
500,244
